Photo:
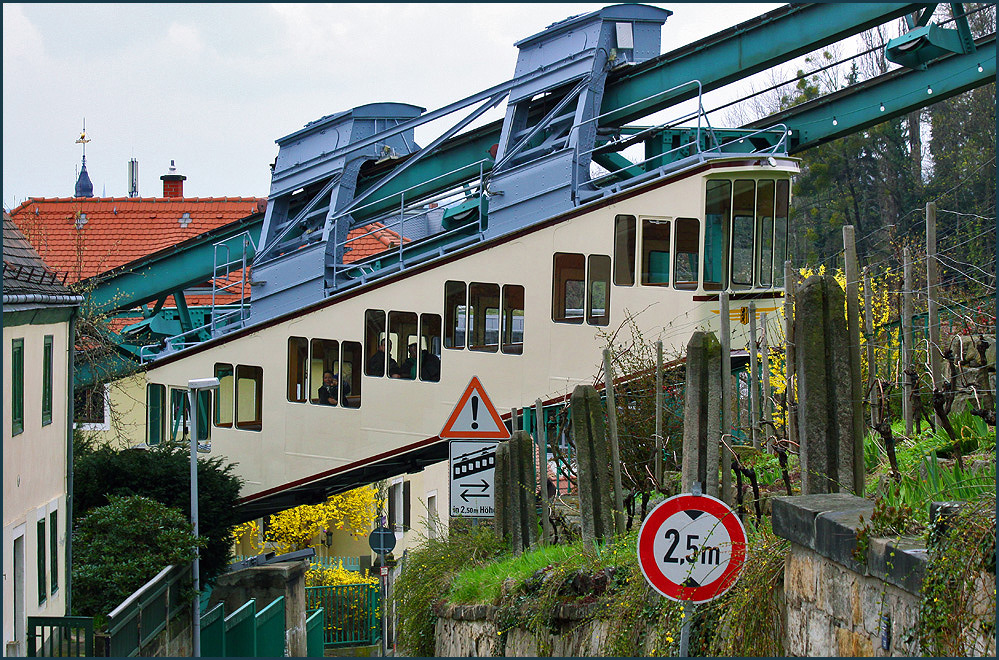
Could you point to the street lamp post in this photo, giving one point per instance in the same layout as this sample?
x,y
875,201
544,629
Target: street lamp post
x,y
194,388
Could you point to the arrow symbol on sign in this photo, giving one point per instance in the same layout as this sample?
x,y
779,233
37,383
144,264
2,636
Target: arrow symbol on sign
x,y
483,486
465,495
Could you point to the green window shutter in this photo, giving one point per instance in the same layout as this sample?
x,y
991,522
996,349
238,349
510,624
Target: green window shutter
x,y
40,544
54,550
17,386
47,381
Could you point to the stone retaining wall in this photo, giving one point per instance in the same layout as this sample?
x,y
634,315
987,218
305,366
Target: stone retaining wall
x,y
834,604
471,631
838,606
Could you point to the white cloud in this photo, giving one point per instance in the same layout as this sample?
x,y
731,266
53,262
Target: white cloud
x,y
21,39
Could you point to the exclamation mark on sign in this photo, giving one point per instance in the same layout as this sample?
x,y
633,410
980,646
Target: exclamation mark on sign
x,y
475,412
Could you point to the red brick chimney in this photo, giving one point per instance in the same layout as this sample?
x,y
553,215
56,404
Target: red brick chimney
x,y
173,183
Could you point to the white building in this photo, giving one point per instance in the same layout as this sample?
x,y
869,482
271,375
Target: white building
x,y
37,355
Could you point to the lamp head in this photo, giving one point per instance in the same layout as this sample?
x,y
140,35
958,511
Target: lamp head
x,y
203,384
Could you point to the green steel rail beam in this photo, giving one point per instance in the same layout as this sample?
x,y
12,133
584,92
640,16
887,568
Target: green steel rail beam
x,y
899,92
175,268
740,51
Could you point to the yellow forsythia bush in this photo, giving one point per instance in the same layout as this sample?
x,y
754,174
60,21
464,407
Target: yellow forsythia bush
x,y
296,529
331,576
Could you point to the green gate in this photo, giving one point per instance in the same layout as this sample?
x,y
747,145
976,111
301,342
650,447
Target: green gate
x,y
314,638
60,636
351,613
240,632
213,632
269,624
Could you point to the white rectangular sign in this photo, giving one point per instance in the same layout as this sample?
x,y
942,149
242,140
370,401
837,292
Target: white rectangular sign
x,y
472,465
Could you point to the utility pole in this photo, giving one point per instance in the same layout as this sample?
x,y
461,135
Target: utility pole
x,y
907,337
725,490
932,308
853,331
754,377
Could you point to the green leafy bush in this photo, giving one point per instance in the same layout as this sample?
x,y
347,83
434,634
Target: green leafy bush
x,y
163,473
120,546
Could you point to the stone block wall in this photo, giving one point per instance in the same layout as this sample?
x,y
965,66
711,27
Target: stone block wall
x,y
838,606
471,631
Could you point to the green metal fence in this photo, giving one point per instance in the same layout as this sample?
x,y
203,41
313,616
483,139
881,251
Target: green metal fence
x,y
269,624
144,614
240,632
351,613
213,632
60,636
314,637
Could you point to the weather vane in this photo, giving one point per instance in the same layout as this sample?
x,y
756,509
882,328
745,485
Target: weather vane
x,y
83,139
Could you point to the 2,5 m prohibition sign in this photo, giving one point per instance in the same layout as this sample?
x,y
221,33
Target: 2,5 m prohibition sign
x,y
692,548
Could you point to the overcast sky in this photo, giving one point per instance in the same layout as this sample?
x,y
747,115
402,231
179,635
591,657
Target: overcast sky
x,y
213,86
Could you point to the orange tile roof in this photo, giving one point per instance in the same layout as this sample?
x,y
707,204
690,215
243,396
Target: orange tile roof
x,y
369,240
87,236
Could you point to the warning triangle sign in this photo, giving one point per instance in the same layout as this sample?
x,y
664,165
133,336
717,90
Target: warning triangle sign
x,y
474,417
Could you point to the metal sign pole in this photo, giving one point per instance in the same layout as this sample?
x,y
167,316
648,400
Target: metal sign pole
x,y
384,581
688,615
688,607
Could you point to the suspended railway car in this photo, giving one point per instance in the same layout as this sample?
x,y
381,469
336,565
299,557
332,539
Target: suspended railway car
x,y
512,249
514,270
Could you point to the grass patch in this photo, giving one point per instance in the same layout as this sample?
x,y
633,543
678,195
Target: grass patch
x,y
483,584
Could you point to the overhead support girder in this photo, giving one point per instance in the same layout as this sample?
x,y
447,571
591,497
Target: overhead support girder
x,y
179,267
717,60
899,92
740,51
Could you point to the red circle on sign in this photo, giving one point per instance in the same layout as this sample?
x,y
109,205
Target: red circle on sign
x,y
650,562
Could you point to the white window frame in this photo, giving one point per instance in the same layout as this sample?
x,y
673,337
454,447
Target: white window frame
x,y
106,426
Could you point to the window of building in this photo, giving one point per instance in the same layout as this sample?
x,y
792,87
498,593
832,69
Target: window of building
x,y
40,544
90,408
432,516
717,208
430,347
325,359
483,317
455,314
374,340
225,395
625,228
180,412
249,397
688,251
513,319
780,230
568,288
765,232
155,413
54,551
655,251
598,274
350,374
204,415
403,331
398,506
298,358
17,386
47,381
743,231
